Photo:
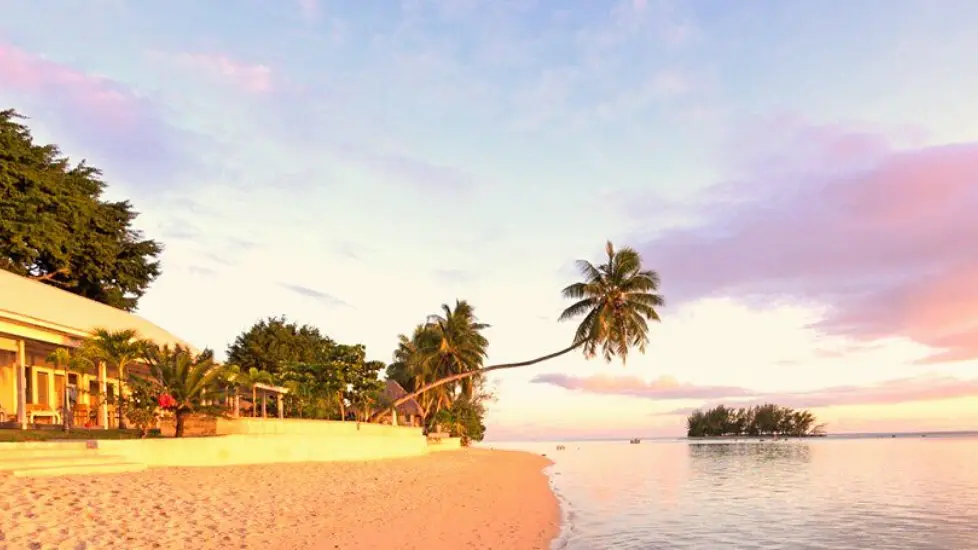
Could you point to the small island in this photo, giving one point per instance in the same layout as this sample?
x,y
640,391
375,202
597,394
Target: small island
x,y
766,420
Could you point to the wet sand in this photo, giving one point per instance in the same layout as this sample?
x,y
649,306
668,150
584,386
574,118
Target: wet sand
x,y
469,499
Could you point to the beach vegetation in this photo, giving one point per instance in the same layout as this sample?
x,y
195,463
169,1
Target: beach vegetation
x,y
615,300
448,343
116,349
187,379
56,228
274,343
758,420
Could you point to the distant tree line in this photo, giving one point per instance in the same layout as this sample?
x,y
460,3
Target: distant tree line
x,y
759,420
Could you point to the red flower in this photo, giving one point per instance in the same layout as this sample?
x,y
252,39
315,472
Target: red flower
x,y
166,401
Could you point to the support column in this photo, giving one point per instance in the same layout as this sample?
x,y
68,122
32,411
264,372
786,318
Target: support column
x,y
237,404
264,401
103,407
21,367
394,416
278,405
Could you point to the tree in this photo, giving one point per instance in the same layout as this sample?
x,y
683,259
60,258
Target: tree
x,y
616,299
272,343
767,419
448,343
143,404
116,349
464,419
55,227
365,388
186,378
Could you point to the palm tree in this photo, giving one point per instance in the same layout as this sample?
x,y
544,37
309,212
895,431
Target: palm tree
x,y
118,349
617,300
185,377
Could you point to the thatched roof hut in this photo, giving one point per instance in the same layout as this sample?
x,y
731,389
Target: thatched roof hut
x,y
393,391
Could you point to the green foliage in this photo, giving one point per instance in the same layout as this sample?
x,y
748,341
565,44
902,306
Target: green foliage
x,y
464,419
617,299
768,419
187,378
366,389
55,227
117,349
142,403
447,344
273,343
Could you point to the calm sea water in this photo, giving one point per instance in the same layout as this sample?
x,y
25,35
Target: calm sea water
x,y
832,494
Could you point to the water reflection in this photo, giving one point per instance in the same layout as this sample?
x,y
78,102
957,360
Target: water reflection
x,y
720,452
919,494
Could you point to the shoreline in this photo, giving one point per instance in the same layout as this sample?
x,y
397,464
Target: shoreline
x,y
470,498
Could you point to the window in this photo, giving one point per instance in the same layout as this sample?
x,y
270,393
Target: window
x,y
72,379
110,393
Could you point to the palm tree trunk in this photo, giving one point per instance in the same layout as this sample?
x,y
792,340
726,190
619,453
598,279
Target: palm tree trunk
x,y
180,416
460,376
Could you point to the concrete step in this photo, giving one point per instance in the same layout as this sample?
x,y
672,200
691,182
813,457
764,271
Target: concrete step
x,y
77,444
83,469
33,452
77,459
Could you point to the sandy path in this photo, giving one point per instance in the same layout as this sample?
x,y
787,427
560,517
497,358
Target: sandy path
x,y
451,500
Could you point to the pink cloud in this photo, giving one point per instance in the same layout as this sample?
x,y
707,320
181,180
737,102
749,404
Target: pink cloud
x,y
29,74
251,78
664,387
884,238
94,116
902,390
890,392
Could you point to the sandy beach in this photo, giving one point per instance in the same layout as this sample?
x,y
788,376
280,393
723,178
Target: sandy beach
x,y
451,500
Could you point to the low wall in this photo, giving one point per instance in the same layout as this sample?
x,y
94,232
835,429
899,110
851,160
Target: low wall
x,y
226,450
274,440
298,426
445,444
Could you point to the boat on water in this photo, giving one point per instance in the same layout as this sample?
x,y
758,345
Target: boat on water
x,y
635,441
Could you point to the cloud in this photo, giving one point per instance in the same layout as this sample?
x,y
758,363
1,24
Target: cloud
x,y
662,388
455,275
309,10
903,390
891,392
106,119
320,296
884,238
251,78
423,175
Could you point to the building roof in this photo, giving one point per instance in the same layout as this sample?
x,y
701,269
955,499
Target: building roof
x,y
394,391
37,304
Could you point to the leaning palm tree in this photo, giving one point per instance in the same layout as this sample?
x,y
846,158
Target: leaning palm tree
x,y
616,299
185,377
118,349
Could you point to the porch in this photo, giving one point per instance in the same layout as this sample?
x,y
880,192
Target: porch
x,y
32,390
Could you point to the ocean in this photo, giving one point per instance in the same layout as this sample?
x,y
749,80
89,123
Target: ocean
x,y
912,492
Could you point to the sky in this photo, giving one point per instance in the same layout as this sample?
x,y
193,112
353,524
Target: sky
x,y
802,176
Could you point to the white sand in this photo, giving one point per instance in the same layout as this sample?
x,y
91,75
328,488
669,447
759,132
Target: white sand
x,y
468,499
